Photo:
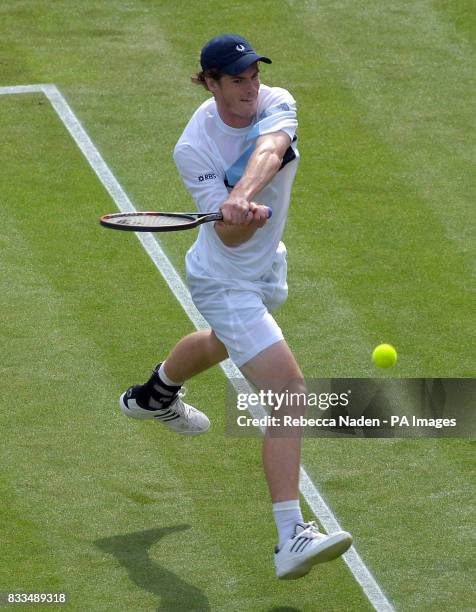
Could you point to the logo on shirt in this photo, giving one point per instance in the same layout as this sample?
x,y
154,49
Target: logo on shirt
x,y
210,176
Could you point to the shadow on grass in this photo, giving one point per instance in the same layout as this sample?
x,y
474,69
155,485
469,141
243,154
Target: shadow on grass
x,y
132,552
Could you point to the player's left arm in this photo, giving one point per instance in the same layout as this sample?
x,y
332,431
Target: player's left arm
x,y
241,215
263,164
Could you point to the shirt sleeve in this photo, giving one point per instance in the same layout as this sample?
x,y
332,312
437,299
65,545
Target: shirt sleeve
x,y
279,114
203,180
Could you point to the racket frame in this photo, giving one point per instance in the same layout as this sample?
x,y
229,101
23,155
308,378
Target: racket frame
x,y
191,220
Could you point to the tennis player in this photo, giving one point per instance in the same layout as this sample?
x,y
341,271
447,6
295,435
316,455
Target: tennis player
x,y
238,154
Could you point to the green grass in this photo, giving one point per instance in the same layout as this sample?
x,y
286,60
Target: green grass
x,y
381,248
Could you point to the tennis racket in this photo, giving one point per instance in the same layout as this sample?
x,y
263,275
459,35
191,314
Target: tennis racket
x,y
158,221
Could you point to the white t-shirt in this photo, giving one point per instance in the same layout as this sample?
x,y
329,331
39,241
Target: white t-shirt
x,y
211,158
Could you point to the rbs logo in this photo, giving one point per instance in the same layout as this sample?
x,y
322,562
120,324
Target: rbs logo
x,y
207,177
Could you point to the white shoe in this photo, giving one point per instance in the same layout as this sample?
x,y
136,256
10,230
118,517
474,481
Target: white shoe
x,y
178,416
306,548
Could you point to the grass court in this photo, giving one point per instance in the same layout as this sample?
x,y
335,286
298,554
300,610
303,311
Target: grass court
x,y
122,515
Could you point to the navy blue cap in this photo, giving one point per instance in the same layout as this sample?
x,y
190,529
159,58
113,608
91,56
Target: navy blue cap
x,y
229,53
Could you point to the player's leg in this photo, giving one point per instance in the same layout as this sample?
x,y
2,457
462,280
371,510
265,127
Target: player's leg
x,y
160,398
300,544
194,354
276,369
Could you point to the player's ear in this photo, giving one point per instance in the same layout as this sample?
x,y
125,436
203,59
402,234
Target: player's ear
x,y
212,84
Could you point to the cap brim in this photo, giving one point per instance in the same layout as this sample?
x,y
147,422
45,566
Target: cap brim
x,y
243,63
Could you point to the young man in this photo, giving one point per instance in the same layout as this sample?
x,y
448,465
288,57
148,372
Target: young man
x,y
238,154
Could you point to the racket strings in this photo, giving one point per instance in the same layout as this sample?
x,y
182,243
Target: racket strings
x,y
144,220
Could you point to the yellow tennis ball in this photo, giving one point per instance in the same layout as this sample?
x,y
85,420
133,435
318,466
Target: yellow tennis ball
x,y
384,356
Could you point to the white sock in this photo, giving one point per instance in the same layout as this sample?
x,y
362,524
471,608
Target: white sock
x,y
286,515
165,379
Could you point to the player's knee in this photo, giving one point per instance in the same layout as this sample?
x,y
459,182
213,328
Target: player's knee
x,y
216,348
292,396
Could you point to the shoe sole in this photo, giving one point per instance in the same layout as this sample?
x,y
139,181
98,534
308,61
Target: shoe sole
x,y
125,410
335,546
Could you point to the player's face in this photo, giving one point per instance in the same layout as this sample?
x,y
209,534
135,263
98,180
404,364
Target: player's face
x,y
237,96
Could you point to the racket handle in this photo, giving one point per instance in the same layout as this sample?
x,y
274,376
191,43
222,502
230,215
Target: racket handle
x,y
270,211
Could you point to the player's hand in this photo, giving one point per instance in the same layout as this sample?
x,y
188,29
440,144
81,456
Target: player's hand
x,y
239,211
236,210
233,235
258,215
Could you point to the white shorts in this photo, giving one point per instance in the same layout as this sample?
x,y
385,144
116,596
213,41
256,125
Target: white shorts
x,y
238,311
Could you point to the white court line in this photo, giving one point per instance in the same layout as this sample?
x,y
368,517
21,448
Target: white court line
x,y
308,489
